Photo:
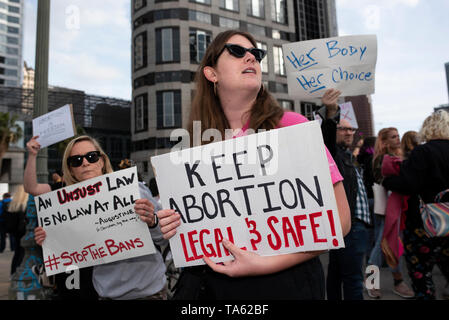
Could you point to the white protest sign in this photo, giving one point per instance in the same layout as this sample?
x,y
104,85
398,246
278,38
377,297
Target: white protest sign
x,y
54,126
93,222
270,193
347,113
317,117
345,63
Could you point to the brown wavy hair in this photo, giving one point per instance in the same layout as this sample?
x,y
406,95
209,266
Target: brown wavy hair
x,y
206,107
409,141
381,148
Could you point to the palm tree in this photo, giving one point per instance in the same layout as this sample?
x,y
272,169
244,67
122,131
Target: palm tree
x,y
10,132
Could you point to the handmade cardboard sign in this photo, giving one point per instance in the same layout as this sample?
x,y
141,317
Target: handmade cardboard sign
x,y
345,63
93,222
54,126
270,193
347,113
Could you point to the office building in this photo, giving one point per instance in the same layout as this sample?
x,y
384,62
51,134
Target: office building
x,y
11,30
169,39
104,118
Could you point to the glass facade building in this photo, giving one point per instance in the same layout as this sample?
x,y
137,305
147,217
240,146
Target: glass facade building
x,y
169,39
11,30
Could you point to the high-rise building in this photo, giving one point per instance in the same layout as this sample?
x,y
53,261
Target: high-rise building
x,y
315,19
104,118
11,30
363,113
28,77
170,37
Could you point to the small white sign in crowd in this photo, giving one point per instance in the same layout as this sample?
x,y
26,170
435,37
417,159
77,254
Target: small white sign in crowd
x,y
54,126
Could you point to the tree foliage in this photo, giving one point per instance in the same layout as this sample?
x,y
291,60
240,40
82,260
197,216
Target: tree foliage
x,y
10,131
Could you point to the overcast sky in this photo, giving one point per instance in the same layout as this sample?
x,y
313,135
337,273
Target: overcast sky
x,y
90,50
90,45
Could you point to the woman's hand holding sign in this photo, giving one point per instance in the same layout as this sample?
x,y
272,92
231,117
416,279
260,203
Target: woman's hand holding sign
x,y
33,146
245,263
145,209
169,220
39,235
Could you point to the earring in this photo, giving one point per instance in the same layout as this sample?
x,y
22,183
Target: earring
x,y
215,88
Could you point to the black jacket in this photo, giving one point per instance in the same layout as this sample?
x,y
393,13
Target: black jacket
x,y
424,173
366,162
342,158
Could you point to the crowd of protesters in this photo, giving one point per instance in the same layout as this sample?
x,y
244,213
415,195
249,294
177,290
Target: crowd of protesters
x,y
372,177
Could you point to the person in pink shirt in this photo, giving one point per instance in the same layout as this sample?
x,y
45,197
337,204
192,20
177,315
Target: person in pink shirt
x,y
230,95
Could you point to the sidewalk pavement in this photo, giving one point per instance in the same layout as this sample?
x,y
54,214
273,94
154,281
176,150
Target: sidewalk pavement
x,y
386,279
5,269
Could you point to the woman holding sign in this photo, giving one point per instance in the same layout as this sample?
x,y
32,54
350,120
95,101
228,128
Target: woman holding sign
x,y
135,278
230,95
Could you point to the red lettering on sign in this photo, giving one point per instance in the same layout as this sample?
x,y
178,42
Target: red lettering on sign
x,y
79,193
208,242
252,224
278,244
119,247
314,226
297,220
288,229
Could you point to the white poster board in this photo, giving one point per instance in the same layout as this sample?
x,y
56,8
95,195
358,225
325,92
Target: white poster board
x,y
345,63
270,193
54,126
347,113
93,222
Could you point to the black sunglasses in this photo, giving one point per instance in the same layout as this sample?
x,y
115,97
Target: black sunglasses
x,y
76,161
239,51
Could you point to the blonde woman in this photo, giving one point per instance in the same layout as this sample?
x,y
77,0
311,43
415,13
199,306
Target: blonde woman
x,y
17,208
425,173
145,276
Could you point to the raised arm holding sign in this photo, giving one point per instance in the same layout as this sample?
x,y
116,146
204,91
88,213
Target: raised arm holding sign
x,y
99,219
